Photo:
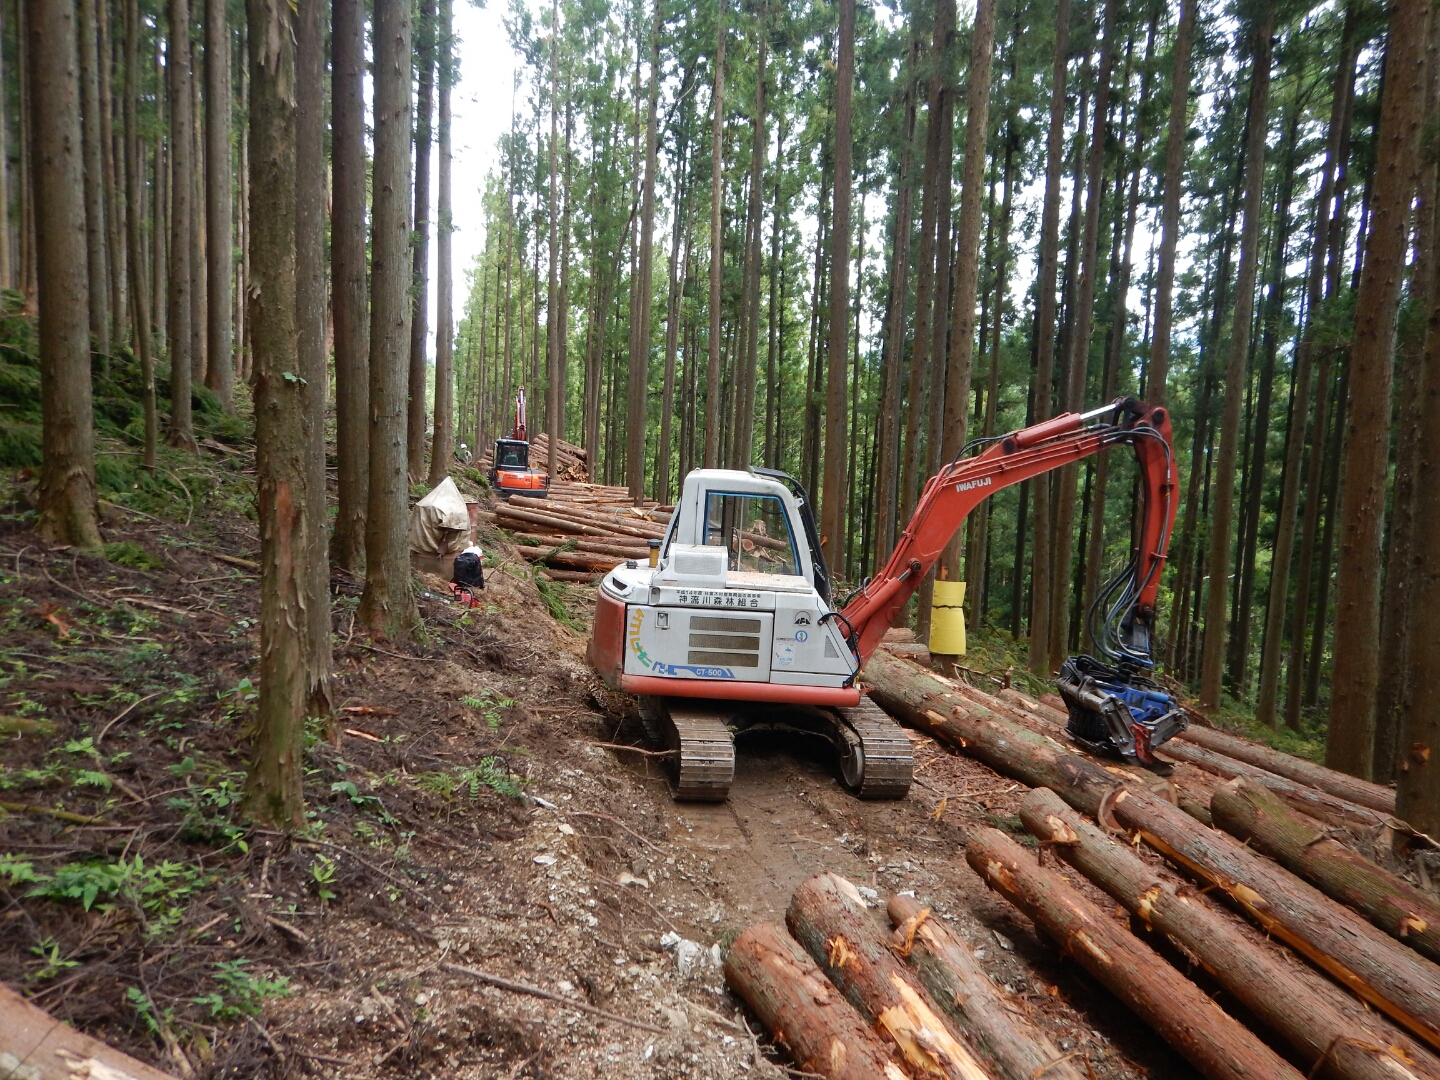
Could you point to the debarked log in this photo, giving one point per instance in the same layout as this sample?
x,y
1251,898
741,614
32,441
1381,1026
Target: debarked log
x,y
1254,815
1312,1014
828,917
1372,965
987,1015
1178,1010
799,1007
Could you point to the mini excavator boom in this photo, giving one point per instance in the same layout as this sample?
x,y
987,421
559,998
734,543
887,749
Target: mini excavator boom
x,y
731,627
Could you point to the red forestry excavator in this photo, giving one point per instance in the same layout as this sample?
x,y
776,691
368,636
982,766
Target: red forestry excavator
x,y
730,627
510,471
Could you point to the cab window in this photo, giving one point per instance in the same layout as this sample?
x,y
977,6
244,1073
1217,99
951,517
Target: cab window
x,y
754,530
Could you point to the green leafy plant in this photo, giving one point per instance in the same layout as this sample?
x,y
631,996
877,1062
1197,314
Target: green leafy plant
x,y
240,993
153,1019
491,772
15,870
129,553
239,700
322,876
52,963
489,706
156,893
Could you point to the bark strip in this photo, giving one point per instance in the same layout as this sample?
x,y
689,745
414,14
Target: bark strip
x,y
991,1019
828,917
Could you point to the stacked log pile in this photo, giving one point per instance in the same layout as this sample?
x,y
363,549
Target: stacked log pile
x,y
1366,1006
837,993
581,531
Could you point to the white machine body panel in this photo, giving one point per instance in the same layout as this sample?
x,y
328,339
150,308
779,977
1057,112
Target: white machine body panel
x,y
733,594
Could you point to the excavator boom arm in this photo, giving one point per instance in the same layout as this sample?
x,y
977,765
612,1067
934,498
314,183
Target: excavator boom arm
x,y
950,495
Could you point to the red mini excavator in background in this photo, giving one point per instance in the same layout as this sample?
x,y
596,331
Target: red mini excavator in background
x,y
731,628
510,471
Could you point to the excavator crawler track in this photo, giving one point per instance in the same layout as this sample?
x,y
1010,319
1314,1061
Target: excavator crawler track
x,y
704,763
876,759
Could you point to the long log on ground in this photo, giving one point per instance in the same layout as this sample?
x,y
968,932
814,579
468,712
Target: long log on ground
x,y
1350,788
828,917
579,577
580,543
995,1023
1308,800
1375,967
806,1015
554,523
35,1044
1178,1010
622,523
571,560
1312,1014
921,700
1255,816
1310,788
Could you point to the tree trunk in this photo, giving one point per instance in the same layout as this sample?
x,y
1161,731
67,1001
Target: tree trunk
x,y
139,284
1418,794
311,295
1041,567
94,180
1156,392
744,429
887,495
789,994
683,191
274,790
1370,964
347,273
555,390
1178,1010
988,1018
717,247
68,510
442,443
967,260
642,292
387,606
833,525
219,224
419,323
1266,699
827,916
1320,1021
180,194
1078,358
1217,597
1349,744
198,296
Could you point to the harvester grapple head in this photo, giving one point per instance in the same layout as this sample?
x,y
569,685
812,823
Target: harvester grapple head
x,y
1118,711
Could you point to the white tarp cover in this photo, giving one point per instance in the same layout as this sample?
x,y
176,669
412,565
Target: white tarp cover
x,y
439,523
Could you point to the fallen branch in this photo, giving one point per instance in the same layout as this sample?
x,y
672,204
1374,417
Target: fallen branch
x,y
535,991
59,815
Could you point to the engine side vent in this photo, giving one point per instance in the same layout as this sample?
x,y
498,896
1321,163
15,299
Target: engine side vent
x,y
731,659
724,641
732,626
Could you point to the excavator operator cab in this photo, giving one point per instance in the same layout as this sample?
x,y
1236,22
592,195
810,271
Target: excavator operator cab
x,y
512,454
511,474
